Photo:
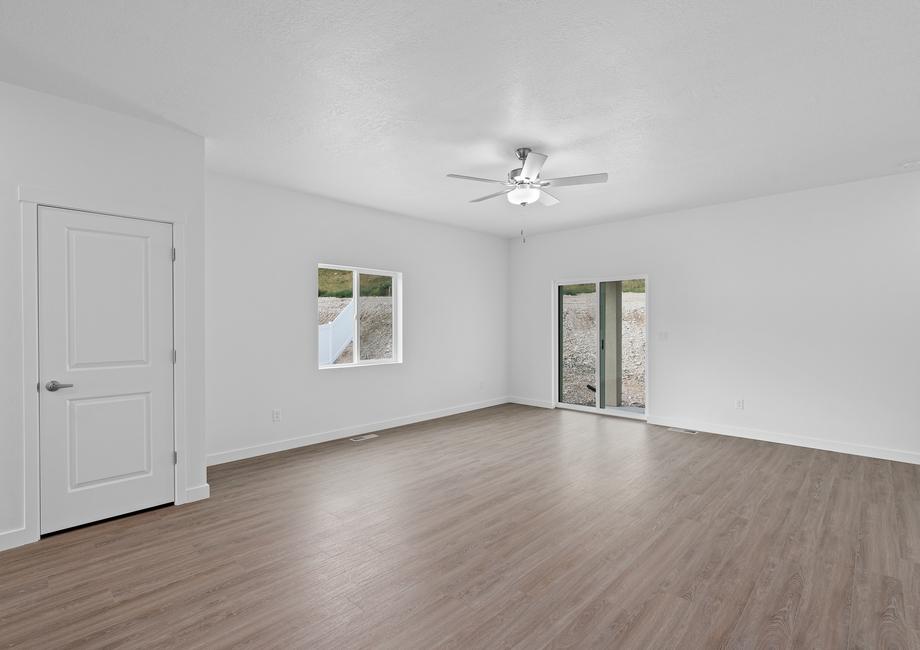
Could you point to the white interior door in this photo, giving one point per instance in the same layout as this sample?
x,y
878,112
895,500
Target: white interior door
x,y
105,333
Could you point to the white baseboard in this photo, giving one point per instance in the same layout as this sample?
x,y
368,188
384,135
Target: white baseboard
x,y
197,493
13,538
345,432
526,401
790,439
738,432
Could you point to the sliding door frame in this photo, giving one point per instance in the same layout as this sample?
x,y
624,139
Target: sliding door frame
x,y
557,348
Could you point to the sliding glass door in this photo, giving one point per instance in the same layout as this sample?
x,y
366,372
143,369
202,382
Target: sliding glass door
x,y
602,345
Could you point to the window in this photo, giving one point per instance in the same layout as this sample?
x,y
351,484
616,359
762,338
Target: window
x,y
359,312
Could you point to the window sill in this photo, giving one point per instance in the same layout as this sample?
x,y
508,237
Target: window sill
x,y
362,364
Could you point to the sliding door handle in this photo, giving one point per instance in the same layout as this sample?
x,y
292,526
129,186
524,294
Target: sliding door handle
x,y
54,385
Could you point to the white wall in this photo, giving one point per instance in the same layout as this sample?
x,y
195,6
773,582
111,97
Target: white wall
x,y
61,146
263,247
804,305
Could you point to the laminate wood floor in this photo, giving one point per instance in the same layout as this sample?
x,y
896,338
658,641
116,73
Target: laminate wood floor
x,y
507,527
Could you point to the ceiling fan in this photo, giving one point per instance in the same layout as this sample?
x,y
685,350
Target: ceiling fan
x,y
524,185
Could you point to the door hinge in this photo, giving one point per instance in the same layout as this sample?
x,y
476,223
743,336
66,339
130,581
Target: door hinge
x,y
175,458
175,356
174,254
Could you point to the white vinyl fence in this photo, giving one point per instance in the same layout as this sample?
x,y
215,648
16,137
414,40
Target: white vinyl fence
x,y
335,336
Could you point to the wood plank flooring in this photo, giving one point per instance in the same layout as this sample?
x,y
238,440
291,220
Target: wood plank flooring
x,y
506,527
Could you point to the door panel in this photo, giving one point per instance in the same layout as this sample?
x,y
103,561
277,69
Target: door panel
x,y
121,297
105,326
578,344
94,455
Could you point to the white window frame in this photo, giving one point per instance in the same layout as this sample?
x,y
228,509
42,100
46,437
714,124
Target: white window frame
x,y
356,272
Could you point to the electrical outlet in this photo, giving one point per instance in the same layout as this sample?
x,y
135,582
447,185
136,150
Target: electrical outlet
x,y
739,404
276,415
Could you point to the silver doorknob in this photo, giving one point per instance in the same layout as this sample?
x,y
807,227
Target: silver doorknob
x,y
54,385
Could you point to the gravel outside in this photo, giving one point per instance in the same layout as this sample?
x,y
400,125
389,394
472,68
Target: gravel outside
x,y
376,325
579,348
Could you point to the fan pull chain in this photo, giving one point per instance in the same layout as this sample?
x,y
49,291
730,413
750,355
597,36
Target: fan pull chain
x,y
523,237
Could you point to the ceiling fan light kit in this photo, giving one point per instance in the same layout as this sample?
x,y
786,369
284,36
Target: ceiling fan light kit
x,y
525,184
523,194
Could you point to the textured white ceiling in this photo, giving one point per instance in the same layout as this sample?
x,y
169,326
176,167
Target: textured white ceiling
x,y
684,103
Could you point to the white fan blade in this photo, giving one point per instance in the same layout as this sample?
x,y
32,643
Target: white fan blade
x,y
492,196
533,165
547,199
576,180
475,178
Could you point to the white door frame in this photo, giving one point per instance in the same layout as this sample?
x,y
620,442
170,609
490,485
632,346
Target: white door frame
x,y
555,345
29,201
